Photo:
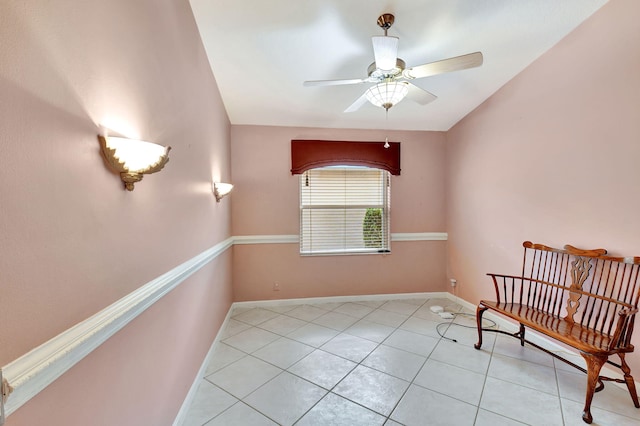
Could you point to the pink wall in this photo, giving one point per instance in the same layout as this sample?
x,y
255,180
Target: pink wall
x,y
72,241
552,157
265,202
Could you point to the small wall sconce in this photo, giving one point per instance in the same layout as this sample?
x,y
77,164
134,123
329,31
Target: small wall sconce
x,y
220,190
133,158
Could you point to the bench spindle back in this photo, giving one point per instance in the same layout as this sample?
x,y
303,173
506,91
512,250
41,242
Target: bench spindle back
x,y
607,283
585,299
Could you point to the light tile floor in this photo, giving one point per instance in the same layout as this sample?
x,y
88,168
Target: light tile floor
x,y
385,362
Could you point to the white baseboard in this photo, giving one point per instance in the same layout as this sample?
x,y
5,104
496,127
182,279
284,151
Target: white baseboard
x,y
34,371
184,408
337,299
264,303
501,321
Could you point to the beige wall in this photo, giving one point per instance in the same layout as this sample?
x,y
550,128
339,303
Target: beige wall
x,y
266,202
552,157
72,241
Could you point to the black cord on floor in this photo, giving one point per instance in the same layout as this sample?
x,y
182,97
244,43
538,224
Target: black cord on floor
x,y
450,323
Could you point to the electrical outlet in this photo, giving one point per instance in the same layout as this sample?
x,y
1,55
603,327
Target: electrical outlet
x,y
454,282
276,287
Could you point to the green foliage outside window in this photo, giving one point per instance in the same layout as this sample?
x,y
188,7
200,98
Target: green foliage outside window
x,y
372,228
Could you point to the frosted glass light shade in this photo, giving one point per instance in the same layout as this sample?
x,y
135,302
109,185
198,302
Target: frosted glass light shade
x,y
387,94
385,50
136,156
133,158
221,189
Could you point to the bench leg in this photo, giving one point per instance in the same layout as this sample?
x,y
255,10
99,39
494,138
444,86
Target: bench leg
x,y
628,378
479,311
521,335
594,364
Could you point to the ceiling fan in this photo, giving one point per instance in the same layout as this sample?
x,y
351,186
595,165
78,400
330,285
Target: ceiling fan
x,y
390,75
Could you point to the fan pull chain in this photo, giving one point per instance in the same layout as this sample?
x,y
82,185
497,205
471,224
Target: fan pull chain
x,y
386,125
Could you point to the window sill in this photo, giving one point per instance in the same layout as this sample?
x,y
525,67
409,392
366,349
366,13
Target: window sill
x,y
345,253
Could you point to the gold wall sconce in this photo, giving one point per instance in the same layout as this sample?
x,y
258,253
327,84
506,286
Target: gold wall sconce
x,y
133,158
220,190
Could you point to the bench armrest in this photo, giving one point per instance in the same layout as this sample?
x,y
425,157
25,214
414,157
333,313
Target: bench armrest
x,y
628,311
622,334
509,288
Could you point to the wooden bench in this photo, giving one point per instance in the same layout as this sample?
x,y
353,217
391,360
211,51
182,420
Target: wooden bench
x,y
582,298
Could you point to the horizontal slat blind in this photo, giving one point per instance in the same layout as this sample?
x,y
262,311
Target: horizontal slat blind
x,y
344,210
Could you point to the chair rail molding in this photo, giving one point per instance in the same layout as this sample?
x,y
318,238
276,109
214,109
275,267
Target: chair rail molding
x,y
34,371
295,238
420,236
265,239
37,369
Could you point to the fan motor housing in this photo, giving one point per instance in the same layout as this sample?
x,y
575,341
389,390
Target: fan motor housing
x,y
381,75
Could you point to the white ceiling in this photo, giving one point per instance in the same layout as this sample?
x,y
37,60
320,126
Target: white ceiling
x,y
261,51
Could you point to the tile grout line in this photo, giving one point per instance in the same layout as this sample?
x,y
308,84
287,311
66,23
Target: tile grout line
x,y
330,391
449,323
360,363
302,378
484,382
555,373
386,417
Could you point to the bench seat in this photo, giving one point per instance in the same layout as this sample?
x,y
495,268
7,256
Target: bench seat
x,y
581,298
569,333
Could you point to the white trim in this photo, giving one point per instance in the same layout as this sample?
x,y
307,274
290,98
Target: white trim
x,y
498,319
1,399
420,236
37,369
200,375
266,239
294,238
184,408
337,299
34,371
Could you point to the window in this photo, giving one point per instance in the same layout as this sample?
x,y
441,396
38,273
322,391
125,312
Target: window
x,y
344,209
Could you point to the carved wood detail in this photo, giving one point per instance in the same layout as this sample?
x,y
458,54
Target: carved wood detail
x,y
579,274
594,365
556,284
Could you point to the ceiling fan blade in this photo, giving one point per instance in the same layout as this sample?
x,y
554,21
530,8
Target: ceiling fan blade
x,y
358,103
470,60
333,82
419,95
385,50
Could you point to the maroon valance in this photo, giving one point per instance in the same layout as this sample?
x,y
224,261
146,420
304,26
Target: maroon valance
x,y
310,154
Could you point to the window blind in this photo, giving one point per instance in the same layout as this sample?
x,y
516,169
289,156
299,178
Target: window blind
x,y
344,210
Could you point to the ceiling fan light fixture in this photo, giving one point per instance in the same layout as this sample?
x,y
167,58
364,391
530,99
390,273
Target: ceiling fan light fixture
x,y
387,94
390,75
